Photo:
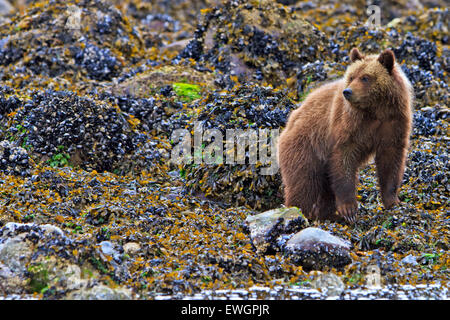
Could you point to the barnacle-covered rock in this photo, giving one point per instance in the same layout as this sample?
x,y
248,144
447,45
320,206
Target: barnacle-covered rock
x,y
13,159
261,41
61,128
62,42
251,109
431,24
42,256
152,81
161,16
267,226
87,133
316,249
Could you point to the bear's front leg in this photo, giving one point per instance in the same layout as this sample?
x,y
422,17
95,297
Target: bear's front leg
x,y
343,168
390,160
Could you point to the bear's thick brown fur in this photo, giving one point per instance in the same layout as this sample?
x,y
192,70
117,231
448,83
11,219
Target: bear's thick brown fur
x,y
330,136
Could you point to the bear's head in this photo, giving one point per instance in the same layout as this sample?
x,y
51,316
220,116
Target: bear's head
x,y
368,78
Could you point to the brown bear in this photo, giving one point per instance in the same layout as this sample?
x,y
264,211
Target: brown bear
x,y
338,128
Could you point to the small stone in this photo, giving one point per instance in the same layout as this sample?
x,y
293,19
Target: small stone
x,y
107,248
73,277
410,259
131,248
329,284
9,281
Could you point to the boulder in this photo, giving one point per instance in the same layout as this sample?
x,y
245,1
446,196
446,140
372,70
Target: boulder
x,y
267,226
317,249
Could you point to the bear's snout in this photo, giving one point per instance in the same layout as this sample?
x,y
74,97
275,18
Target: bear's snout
x,y
347,93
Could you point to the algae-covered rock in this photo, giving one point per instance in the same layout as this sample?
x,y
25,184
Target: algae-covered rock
x,y
147,83
61,42
328,283
100,292
258,112
260,41
316,249
40,259
267,226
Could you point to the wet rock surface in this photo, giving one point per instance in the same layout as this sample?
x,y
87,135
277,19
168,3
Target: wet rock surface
x,y
92,208
40,258
243,108
314,248
255,41
267,226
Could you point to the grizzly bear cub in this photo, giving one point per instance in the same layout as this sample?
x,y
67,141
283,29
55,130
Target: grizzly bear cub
x,y
338,128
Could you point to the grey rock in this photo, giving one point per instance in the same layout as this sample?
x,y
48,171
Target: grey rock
x,y
15,253
328,283
49,229
410,259
267,226
110,249
107,248
316,249
72,277
100,292
10,283
5,7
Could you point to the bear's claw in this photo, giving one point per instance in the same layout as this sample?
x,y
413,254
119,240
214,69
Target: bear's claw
x,y
348,211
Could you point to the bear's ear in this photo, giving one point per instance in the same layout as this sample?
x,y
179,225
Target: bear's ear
x,y
387,59
355,55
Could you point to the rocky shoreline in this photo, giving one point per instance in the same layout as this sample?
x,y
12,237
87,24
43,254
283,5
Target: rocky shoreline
x,y
91,207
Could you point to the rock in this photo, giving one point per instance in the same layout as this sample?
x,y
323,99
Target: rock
x,y
177,45
13,159
5,7
251,109
410,259
108,248
49,229
15,252
255,42
10,283
316,249
39,259
50,42
267,226
328,283
131,248
63,129
146,83
100,292
73,277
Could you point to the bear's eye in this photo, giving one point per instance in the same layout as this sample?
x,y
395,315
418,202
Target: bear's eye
x,y
351,78
364,78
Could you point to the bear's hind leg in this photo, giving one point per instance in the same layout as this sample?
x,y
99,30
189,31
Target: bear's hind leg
x,y
304,189
326,202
